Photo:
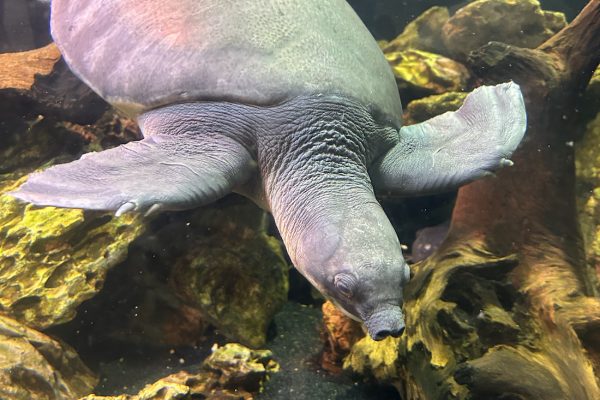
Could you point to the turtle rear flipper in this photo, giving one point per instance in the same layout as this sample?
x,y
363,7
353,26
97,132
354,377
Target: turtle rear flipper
x,y
455,148
160,172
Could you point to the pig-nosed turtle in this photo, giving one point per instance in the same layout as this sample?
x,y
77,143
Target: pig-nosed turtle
x,y
290,103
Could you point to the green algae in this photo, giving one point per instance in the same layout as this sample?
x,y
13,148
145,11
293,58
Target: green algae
x,y
236,276
425,73
428,107
51,259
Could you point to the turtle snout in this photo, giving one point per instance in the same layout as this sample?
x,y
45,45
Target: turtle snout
x,y
386,322
385,333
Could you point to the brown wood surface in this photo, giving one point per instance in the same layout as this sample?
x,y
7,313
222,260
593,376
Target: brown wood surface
x,y
18,70
37,82
507,307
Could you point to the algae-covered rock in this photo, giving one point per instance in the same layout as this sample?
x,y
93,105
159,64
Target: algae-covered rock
x,y
428,107
231,372
423,33
423,73
51,260
34,366
240,367
517,22
376,359
235,274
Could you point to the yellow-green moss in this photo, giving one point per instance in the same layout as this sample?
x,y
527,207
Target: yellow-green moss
x,y
428,107
427,73
53,259
236,276
378,359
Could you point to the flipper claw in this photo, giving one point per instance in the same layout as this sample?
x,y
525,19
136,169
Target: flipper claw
x,y
154,209
125,208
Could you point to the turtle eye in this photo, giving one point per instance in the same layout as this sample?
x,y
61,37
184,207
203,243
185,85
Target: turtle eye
x,y
345,283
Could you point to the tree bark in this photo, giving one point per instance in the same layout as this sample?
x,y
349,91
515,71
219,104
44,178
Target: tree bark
x,y
506,307
38,82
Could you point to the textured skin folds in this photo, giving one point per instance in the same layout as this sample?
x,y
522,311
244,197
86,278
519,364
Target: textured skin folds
x,y
314,167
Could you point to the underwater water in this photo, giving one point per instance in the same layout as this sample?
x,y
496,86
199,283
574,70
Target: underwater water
x,y
320,241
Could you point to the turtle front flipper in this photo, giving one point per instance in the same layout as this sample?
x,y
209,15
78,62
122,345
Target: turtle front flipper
x,y
160,172
456,147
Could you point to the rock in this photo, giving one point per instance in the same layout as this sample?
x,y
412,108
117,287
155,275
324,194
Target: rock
x,y
233,272
34,366
423,33
520,23
190,271
340,334
239,367
375,359
420,73
28,145
555,20
231,372
51,260
136,308
428,107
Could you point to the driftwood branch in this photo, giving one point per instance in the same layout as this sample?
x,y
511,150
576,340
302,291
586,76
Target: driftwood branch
x,y
38,82
531,330
18,70
577,46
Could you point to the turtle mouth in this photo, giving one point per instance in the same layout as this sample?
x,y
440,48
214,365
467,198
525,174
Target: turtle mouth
x,y
384,322
344,311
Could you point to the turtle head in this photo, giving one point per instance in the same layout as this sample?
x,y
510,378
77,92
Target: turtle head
x,y
372,294
357,264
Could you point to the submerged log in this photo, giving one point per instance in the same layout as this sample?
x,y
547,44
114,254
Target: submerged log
x,y
38,82
506,308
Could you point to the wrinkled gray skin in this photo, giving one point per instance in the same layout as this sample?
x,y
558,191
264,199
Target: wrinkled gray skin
x,y
291,104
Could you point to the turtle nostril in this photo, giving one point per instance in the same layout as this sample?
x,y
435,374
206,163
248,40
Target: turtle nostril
x,y
385,322
381,335
398,333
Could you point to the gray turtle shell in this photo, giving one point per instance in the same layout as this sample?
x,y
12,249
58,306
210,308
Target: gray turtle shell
x,y
142,54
